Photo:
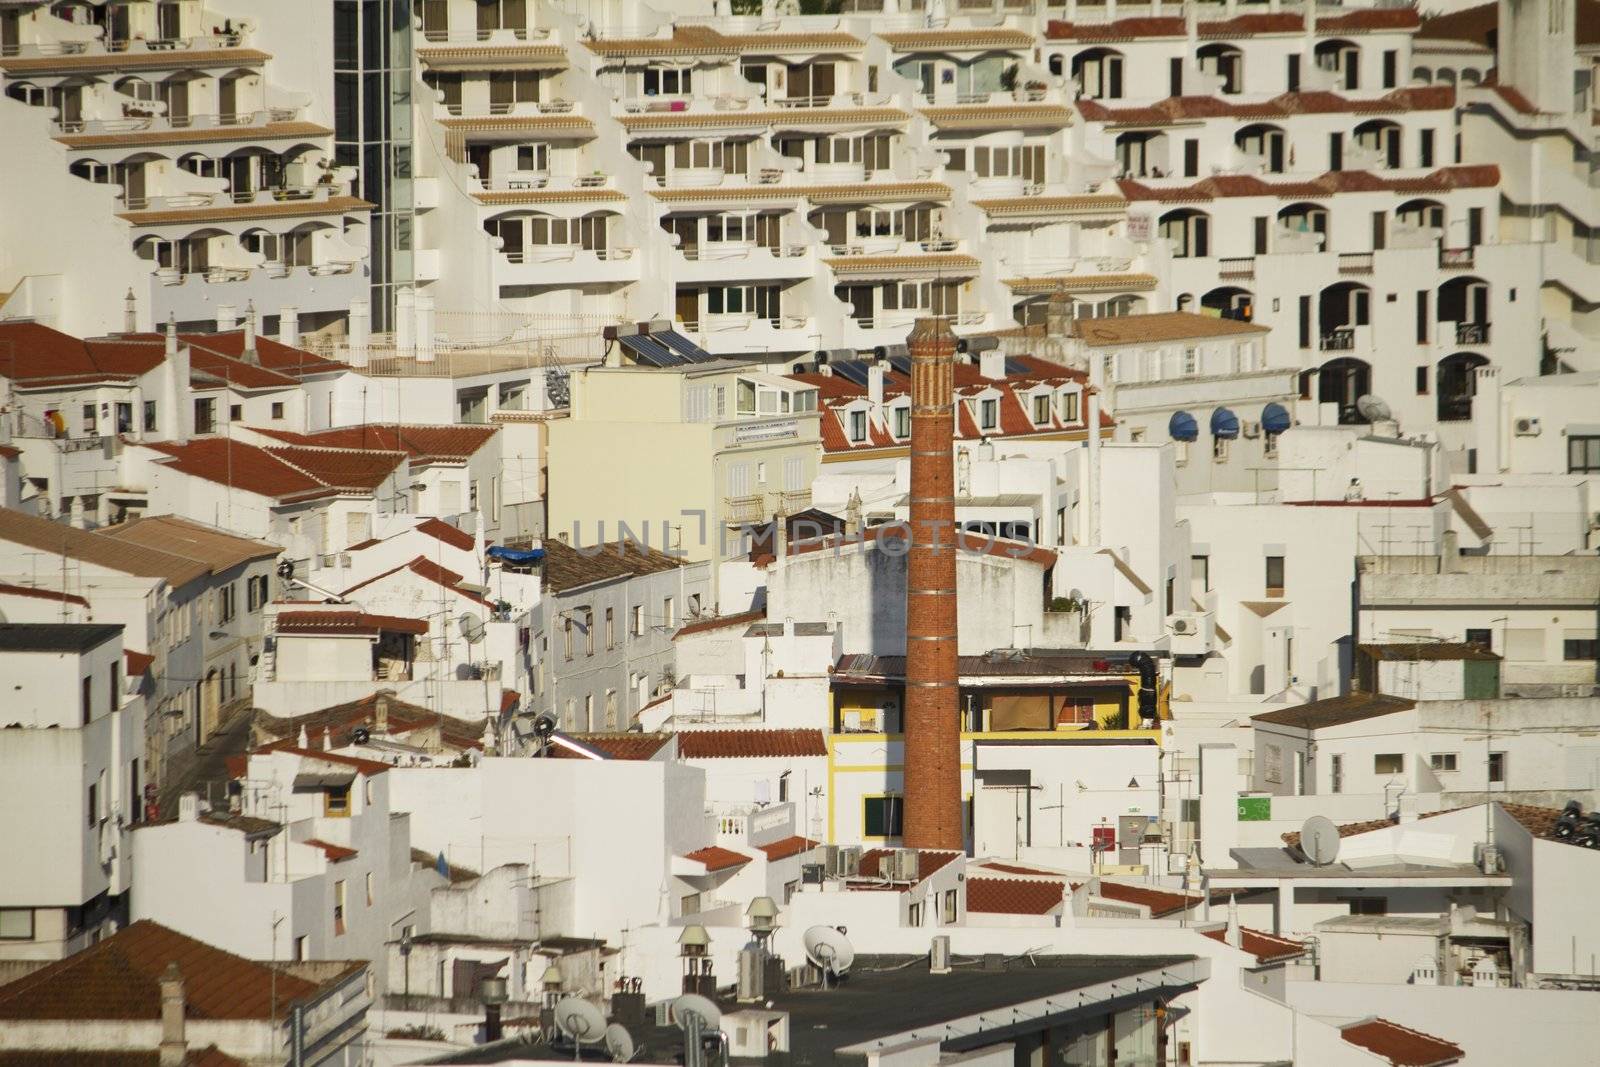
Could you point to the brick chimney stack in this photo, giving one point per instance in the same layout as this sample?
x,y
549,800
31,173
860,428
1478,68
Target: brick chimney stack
x,y
932,817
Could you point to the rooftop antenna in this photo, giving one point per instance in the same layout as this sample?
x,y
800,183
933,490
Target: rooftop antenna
x,y
830,950
1319,840
581,1021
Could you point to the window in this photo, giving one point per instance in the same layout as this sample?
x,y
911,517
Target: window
x,y
1041,409
673,81
89,422
902,422
914,916
1482,638
149,416
881,816
1368,905
1579,648
566,637
1336,774
338,908
16,924
858,426
668,612
588,631
205,415
336,801
988,414
1389,763
369,889
1422,381
1069,407
1442,761
277,409
116,684
611,628
302,950
1583,454
235,412
588,712
86,700
1275,583
948,911
637,628
227,603
94,803
1497,768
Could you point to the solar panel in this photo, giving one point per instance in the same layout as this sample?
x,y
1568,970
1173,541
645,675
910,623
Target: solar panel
x,y
651,352
851,370
1016,366
901,364
684,347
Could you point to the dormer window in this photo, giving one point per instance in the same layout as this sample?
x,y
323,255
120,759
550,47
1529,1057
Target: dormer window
x,y
858,427
1069,407
988,414
1041,409
902,421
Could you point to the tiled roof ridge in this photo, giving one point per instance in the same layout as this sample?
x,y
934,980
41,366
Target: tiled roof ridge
x,y
276,453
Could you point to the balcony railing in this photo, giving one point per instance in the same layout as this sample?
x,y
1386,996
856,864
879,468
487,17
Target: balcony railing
x,y
510,107
567,253
1339,339
506,33
1472,333
118,45
1237,267
166,123
1355,262
711,253
796,500
1456,258
750,508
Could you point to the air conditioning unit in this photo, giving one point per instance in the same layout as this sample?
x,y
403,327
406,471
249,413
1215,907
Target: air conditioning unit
x,y
1529,428
939,955
846,862
860,720
1250,429
900,865
1184,625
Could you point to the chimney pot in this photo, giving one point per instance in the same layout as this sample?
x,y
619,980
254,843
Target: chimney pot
x,y
174,1045
250,333
188,807
380,709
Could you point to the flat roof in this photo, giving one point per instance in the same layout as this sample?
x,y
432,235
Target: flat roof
x,y
55,636
893,997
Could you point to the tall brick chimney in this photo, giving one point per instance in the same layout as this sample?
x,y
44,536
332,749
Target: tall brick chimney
x,y
932,702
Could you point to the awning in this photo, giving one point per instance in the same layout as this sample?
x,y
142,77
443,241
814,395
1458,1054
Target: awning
x,y
516,555
1182,426
311,781
1224,423
1275,418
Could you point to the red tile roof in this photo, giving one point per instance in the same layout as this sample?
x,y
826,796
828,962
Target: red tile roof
x,y
1238,26
443,531
34,593
1012,868
34,354
1266,948
785,847
346,623
1160,902
1538,821
335,853
241,466
716,858
428,571
296,364
968,542
1479,176
623,746
120,979
423,444
1013,896
750,744
364,766
342,469
721,622
137,662
927,861
344,719
1401,1046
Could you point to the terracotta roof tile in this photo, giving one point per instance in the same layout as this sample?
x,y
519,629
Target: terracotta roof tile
x,y
349,470
362,766
243,467
750,744
217,548
440,530
1012,896
344,719
1064,205
842,193
620,746
1012,868
58,539
928,861
957,264
786,847
1336,711
335,853
31,352
968,542
1158,327
1266,948
491,56
350,623
1083,283
1538,821
704,40
570,125
716,858
1401,1046
721,622
1002,116
205,55
119,979
34,593
1446,178
513,197
1160,902
956,39
567,568
210,1056
422,443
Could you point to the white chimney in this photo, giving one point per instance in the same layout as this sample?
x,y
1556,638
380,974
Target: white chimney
x,y
174,415
249,354
360,331
327,739
1091,512
405,301
1234,938
289,327
424,312
992,364
227,318
875,384
130,313
189,807
302,742
174,1045
380,713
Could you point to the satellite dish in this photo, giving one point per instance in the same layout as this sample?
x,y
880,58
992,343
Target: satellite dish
x,y
1319,840
580,1020
471,627
828,949
619,1043
1373,409
360,735
701,1008
286,569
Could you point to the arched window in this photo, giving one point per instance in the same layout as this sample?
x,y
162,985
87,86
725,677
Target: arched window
x,y
1224,62
1457,384
1383,137
1098,72
1344,381
1265,141
1189,231
1342,59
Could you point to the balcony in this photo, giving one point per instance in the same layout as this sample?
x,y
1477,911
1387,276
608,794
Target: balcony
x,y
1339,339
504,35
739,509
796,500
193,296
1237,267
1472,333
563,265
1355,262
1456,258
167,128
226,203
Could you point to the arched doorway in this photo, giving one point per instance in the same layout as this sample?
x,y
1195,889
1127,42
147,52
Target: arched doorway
x,y
1344,381
1457,383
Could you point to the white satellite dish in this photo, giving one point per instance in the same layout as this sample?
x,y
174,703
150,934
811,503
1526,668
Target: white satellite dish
x,y
619,1043
471,627
828,949
580,1020
701,1008
1319,840
1373,409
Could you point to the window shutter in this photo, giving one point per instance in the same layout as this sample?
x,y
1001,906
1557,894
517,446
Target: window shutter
x,y
793,472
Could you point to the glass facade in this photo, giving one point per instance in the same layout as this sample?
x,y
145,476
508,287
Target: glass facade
x,y
372,131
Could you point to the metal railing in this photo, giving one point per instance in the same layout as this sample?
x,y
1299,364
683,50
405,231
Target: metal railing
x,y
1237,267
1456,258
1472,333
1355,262
1340,339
